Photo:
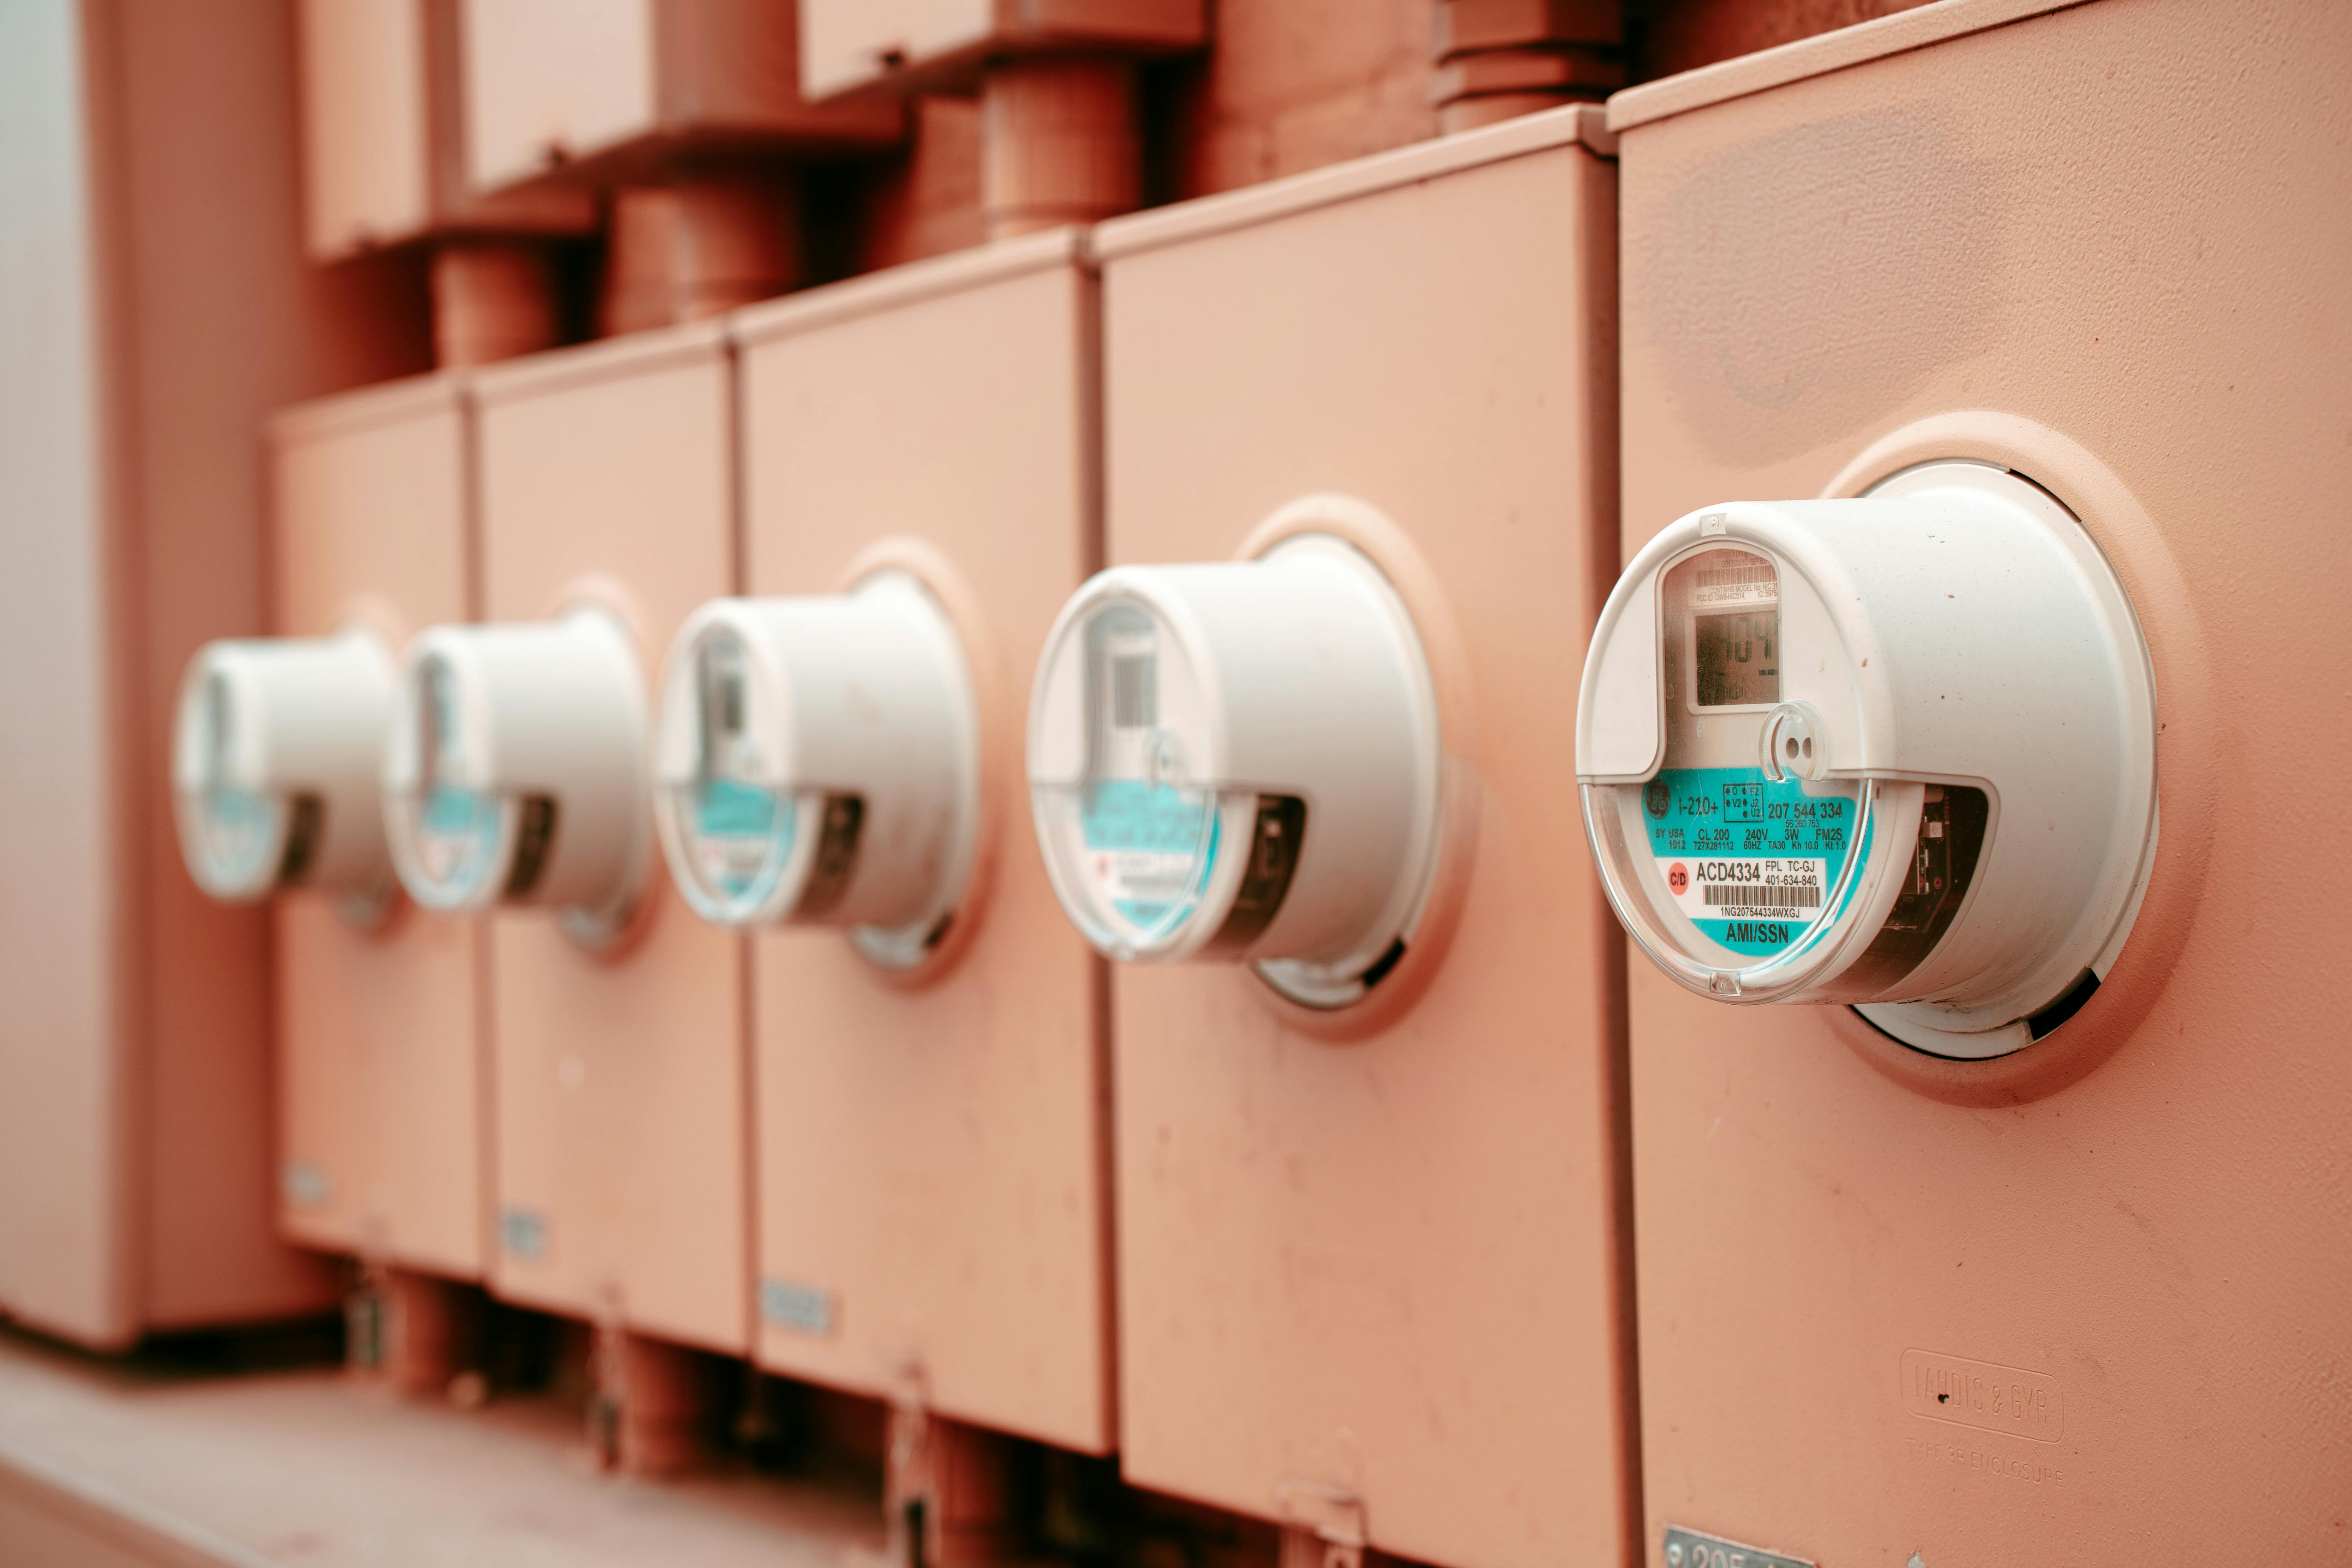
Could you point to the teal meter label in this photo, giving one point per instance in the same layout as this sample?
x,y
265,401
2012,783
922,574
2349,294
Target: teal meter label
x,y
1750,861
455,834
1150,848
239,828
742,835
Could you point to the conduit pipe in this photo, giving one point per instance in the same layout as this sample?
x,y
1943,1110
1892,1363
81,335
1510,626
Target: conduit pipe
x,y
1500,58
493,299
698,246
1059,143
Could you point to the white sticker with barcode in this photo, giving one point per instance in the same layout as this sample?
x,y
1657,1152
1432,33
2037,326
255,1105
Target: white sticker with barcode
x,y
1728,889
1747,581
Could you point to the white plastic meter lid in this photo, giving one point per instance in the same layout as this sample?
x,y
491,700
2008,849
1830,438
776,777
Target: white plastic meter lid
x,y
1897,751
277,754
818,761
515,771
1240,762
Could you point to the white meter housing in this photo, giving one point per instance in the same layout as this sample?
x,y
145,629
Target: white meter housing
x,y
1896,752
277,757
515,771
818,763
1240,762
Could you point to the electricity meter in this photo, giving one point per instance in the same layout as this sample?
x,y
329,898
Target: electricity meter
x,y
1240,762
817,763
1896,752
515,773
277,750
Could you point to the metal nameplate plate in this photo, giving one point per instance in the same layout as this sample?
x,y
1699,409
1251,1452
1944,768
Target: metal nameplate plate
x,y
1691,1549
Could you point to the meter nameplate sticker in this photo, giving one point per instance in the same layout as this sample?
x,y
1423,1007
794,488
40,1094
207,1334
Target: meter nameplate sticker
x,y
742,835
1691,1549
1150,848
456,833
1749,860
238,824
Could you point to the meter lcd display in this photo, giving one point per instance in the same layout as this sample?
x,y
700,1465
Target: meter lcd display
x,y
1737,657
1733,600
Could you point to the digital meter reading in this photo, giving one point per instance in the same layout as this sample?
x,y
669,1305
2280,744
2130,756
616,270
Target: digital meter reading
x,y
1735,604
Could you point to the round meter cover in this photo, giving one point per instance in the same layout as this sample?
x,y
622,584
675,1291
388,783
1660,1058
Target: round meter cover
x,y
1803,724
276,747
1748,850
456,835
514,770
1240,762
238,840
732,819
1137,845
818,763
739,831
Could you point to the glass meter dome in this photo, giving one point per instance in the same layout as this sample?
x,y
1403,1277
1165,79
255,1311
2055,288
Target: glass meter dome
x,y
1240,762
818,763
1810,735
277,745
514,770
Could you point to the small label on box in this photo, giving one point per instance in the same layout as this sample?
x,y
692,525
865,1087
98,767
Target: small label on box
x,y
804,1309
1691,1549
523,1233
306,1185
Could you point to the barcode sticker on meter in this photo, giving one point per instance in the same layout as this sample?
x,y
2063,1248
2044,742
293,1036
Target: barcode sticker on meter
x,y
1746,581
1720,889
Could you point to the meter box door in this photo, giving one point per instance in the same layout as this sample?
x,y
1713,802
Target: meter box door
x,y
551,83
378,1045
1935,1278
1370,1280
846,45
931,1119
382,146
619,1128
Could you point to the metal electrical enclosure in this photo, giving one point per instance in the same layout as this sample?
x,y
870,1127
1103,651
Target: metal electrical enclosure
x,y
1369,1257
621,1173
2023,1308
378,1046
932,1149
